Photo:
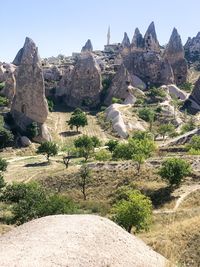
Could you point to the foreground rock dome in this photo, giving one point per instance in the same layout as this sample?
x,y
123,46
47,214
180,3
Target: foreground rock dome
x,y
73,241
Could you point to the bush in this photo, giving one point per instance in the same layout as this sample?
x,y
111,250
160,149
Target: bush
x,y
2,85
30,200
103,155
3,101
32,130
174,170
157,94
96,141
187,127
85,146
111,144
166,129
2,183
194,143
135,210
116,100
147,114
48,148
187,86
78,119
3,165
50,104
6,137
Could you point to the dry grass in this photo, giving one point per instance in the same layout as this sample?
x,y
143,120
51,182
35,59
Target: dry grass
x,y
193,200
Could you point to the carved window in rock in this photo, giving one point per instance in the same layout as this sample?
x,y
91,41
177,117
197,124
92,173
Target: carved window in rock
x,y
23,109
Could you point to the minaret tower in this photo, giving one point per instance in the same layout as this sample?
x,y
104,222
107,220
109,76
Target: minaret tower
x,y
108,36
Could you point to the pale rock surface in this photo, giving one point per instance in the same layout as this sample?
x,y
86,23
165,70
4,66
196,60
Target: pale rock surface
x,y
75,241
7,75
175,54
29,103
52,73
173,90
137,41
65,82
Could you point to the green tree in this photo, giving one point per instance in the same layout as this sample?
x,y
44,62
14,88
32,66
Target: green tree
x,y
189,126
78,119
133,211
85,146
32,130
6,137
84,180
103,155
3,165
50,104
166,129
96,141
148,115
48,148
174,170
111,144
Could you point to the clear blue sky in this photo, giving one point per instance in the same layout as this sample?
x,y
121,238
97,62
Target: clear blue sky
x,y
63,26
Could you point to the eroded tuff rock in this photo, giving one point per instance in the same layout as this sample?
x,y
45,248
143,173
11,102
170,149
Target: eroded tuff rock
x,y
174,53
87,47
120,83
29,103
75,240
7,75
126,40
137,41
150,39
85,86
192,104
192,48
65,82
52,74
150,67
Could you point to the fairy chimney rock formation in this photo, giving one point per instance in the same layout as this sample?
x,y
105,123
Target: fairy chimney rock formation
x,y
150,39
174,53
126,41
138,40
87,47
85,86
29,103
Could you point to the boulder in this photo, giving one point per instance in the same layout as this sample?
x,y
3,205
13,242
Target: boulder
x,y
25,141
29,103
85,87
173,90
87,47
150,39
126,40
75,240
174,53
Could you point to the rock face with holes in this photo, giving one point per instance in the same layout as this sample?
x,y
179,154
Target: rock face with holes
x,y
150,39
85,86
192,48
175,54
29,103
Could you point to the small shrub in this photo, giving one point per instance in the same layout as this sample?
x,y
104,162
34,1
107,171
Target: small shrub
x,y
3,101
3,165
111,144
6,137
32,130
103,155
50,104
116,100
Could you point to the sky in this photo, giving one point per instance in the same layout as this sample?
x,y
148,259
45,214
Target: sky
x,y
63,26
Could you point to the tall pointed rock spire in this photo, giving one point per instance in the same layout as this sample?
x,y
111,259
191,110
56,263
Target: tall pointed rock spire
x,y
108,35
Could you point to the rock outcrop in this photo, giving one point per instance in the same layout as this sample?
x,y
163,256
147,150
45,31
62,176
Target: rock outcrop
x,y
150,67
85,86
137,41
150,39
120,82
52,74
7,74
75,240
87,47
173,90
126,40
29,103
192,48
174,53
192,104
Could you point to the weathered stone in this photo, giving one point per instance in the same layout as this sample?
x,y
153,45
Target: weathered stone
x,y
120,82
85,86
87,47
52,74
25,141
150,39
174,53
150,67
173,90
137,41
192,104
192,48
126,41
65,82
8,76
29,103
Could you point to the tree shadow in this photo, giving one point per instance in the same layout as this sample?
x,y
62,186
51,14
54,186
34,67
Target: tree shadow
x,y
160,196
69,133
37,164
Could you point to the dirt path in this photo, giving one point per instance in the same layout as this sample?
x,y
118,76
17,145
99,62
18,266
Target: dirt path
x,y
187,191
